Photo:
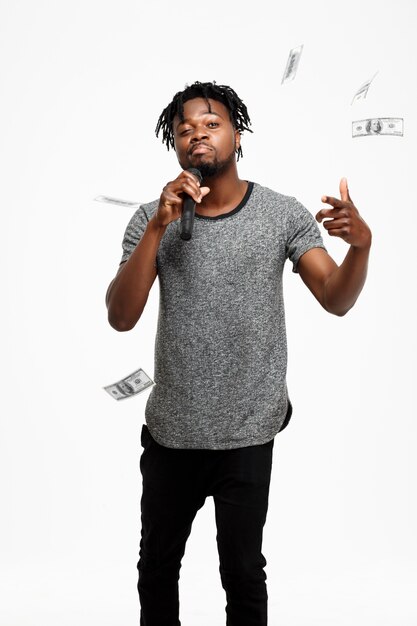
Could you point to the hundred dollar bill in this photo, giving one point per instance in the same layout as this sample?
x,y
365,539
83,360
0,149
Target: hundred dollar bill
x,y
363,90
378,126
130,386
118,201
292,64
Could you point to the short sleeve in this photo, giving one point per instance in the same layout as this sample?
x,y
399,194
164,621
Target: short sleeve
x,y
303,233
133,233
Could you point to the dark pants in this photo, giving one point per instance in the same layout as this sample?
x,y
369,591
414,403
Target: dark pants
x,y
175,486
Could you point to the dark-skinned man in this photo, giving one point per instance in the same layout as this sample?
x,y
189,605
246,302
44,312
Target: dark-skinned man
x,y
220,396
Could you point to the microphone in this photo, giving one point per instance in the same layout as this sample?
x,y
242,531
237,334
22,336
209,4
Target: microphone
x,y
187,217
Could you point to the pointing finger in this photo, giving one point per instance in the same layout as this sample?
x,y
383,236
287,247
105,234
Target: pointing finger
x,y
344,190
347,192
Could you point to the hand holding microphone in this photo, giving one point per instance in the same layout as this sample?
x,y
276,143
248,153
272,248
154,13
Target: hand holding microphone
x,y
178,197
188,210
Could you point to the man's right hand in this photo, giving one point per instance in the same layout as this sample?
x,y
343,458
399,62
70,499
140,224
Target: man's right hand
x,y
172,197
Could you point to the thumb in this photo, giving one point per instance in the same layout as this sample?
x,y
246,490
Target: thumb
x,y
344,190
204,191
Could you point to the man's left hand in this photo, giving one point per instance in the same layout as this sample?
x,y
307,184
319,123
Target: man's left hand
x,y
344,219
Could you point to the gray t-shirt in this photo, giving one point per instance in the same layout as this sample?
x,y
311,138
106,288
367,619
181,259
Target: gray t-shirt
x,y
221,348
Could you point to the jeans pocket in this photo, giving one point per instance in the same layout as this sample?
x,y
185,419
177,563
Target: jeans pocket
x,y
145,437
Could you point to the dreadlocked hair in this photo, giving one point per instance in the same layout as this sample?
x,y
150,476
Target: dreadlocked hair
x,y
238,112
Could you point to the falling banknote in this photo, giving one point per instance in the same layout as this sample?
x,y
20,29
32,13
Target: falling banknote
x,y
292,64
363,90
130,386
117,201
378,126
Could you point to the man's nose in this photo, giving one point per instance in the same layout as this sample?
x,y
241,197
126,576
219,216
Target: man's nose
x,y
199,133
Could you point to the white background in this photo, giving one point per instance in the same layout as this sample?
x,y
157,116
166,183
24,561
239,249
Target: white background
x,y
82,85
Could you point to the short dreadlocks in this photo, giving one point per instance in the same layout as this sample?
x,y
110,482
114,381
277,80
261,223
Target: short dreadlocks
x,y
222,93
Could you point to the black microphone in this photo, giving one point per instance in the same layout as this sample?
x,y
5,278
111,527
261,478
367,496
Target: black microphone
x,y
188,210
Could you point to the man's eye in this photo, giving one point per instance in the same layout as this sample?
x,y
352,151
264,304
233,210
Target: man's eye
x,y
185,131
213,124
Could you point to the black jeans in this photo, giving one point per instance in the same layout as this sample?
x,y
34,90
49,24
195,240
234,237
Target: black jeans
x,y
175,486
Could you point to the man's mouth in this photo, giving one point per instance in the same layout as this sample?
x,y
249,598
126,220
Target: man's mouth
x,y
200,148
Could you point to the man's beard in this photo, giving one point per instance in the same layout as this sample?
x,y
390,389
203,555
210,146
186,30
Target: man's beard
x,y
210,169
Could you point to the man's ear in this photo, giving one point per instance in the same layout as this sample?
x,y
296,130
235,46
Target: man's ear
x,y
237,139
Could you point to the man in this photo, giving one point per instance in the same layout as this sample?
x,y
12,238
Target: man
x,y
220,357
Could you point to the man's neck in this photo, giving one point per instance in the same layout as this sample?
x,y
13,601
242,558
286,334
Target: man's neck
x,y
226,193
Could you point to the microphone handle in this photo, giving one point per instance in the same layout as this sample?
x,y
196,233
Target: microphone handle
x,y
187,218
188,210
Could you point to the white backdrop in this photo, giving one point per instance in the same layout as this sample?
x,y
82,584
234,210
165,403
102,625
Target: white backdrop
x,y
82,85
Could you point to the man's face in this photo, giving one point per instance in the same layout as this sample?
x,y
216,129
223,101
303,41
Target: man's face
x,y
205,140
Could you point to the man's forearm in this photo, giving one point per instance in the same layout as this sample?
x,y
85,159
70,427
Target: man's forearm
x,y
128,292
346,282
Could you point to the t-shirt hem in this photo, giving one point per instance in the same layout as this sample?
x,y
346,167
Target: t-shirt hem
x,y
214,445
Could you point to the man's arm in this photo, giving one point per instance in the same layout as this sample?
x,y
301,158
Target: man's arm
x,y
129,290
338,287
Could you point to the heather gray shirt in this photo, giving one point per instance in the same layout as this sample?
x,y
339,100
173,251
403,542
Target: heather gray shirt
x,y
221,349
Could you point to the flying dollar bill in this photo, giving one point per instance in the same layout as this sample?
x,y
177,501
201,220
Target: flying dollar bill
x,y
292,64
363,90
110,200
378,126
130,386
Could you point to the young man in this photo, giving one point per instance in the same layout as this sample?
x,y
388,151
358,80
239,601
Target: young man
x,y
220,356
